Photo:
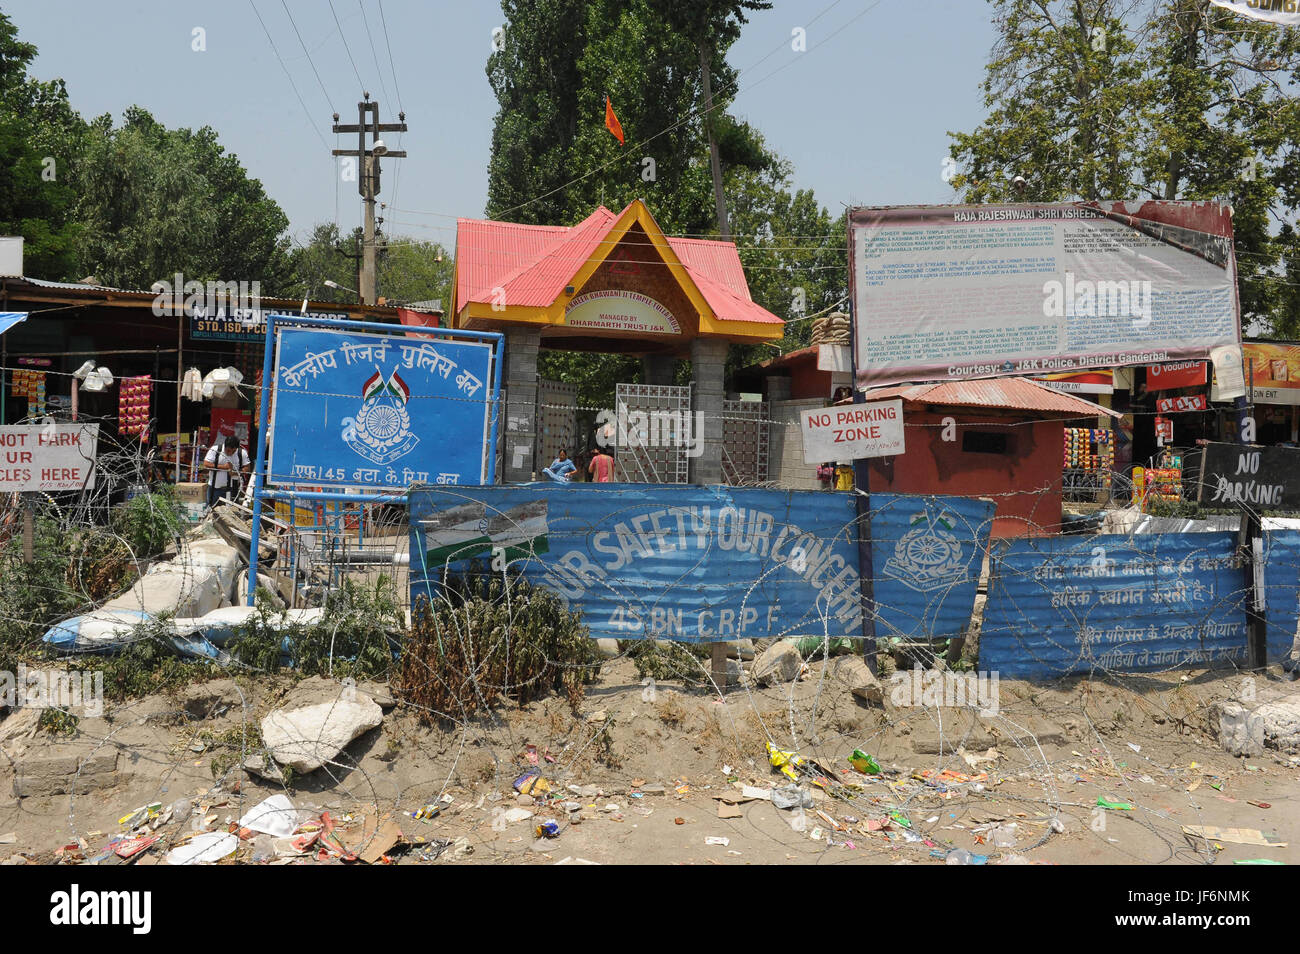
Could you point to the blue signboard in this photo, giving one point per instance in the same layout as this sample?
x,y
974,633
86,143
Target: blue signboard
x,y
1150,602
1281,591
927,553
695,564
705,564
356,409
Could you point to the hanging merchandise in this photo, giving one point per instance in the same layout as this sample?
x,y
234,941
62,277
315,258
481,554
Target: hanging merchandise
x,y
192,385
219,382
133,406
1088,463
30,385
101,379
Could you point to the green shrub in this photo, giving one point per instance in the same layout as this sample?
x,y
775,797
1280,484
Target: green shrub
x,y
355,639
682,661
483,641
70,571
149,523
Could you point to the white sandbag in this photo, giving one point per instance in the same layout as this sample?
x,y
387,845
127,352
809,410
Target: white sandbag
x,y
174,590
265,582
102,629
308,617
219,626
215,554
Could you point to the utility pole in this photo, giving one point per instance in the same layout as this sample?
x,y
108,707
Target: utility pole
x,y
715,165
368,177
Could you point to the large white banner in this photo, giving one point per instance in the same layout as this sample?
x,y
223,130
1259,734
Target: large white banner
x,y
955,292
1285,12
48,457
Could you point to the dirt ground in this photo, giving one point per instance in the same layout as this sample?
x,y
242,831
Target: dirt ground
x,y
644,774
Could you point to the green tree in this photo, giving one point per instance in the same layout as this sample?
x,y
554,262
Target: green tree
x,y
326,256
553,160
534,75
413,270
40,138
1171,99
711,26
155,201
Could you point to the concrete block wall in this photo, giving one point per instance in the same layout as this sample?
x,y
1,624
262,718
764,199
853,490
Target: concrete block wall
x,y
785,464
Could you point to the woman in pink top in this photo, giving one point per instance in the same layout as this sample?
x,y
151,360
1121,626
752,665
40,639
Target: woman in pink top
x,y
601,468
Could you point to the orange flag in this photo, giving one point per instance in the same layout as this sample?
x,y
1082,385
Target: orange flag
x,y
612,123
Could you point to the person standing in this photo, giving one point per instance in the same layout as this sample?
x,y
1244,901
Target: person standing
x,y
226,463
601,467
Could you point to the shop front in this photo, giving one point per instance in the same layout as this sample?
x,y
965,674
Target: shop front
x,y
178,380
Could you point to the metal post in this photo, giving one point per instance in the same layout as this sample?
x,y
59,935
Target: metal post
x,y
862,501
1256,627
180,375
1251,534
371,166
259,472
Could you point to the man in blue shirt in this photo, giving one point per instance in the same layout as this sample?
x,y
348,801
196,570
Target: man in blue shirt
x,y
560,469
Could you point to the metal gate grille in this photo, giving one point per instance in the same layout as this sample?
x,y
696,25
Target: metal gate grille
x,y
654,424
744,443
557,420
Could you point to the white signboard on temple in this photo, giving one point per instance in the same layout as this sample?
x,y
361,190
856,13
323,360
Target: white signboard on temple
x,y
852,432
620,311
51,457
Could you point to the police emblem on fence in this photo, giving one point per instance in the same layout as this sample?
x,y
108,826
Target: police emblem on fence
x,y
929,555
381,430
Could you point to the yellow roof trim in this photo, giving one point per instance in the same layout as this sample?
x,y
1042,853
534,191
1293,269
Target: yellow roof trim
x,y
637,212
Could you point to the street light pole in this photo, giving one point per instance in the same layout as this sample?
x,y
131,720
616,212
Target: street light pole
x,y
368,178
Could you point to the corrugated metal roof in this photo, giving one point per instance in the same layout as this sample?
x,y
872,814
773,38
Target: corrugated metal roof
x,y
532,264
80,286
487,251
716,260
1019,394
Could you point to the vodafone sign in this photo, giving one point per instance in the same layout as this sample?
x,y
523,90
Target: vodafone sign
x,y
1179,374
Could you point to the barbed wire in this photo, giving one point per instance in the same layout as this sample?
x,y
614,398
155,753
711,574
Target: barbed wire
x,y
1057,743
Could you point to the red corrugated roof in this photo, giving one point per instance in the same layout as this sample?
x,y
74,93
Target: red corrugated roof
x,y
1019,394
718,261
534,263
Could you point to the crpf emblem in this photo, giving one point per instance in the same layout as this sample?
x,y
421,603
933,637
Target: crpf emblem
x,y
381,431
928,556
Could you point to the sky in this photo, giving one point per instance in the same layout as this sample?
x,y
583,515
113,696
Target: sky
x,y
862,112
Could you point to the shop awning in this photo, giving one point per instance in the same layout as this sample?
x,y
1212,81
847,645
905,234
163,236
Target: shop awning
x,y
10,318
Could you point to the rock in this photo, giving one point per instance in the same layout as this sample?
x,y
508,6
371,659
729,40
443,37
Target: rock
x,y
60,770
779,663
607,648
600,715
1270,725
211,699
742,649
379,692
861,682
257,765
305,739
